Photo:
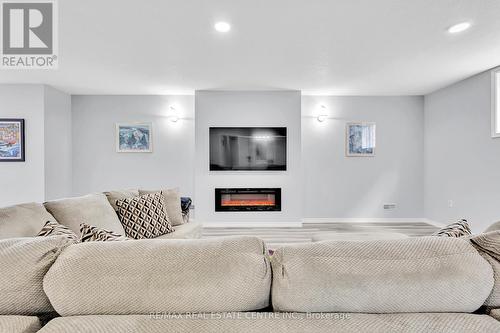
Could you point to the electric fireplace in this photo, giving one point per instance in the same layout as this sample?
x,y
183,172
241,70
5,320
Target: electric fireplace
x,y
247,199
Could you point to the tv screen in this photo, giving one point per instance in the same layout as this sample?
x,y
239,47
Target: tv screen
x,y
247,148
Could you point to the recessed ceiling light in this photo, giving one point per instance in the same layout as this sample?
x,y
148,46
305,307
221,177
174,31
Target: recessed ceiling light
x,y
222,26
459,27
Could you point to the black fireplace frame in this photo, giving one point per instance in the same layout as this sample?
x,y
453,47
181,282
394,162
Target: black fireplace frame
x,y
220,191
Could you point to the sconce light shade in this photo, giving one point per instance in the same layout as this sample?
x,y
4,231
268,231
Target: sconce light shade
x,y
174,117
322,117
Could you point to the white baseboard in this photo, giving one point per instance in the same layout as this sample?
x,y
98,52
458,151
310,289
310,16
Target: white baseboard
x,y
366,220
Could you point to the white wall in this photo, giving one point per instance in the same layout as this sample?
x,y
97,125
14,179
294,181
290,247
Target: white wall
x,y
58,152
24,181
98,167
462,160
336,186
251,109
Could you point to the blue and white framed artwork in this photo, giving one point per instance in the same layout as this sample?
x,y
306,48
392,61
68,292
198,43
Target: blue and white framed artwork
x,y
134,138
360,139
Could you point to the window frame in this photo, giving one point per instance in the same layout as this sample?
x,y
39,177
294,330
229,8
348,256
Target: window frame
x,y
495,103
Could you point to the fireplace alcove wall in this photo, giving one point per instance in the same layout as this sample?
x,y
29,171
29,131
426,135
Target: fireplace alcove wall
x,y
248,109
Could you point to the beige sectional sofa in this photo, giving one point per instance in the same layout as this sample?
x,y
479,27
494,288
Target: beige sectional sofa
x,y
24,263
232,285
97,209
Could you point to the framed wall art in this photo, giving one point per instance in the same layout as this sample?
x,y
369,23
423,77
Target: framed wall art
x,y
12,146
360,139
134,138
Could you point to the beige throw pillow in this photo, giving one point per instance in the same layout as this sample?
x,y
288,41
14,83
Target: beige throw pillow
x,y
172,204
92,209
114,196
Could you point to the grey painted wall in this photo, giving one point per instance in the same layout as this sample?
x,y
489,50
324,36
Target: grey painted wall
x,y
357,187
46,173
58,150
422,162
251,109
98,167
24,181
462,160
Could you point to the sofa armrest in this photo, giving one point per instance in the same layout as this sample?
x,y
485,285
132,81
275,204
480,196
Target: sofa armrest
x,y
495,313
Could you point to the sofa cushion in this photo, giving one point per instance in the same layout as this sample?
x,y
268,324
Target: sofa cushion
x,y
488,245
52,228
19,324
144,276
172,204
114,196
253,322
89,233
24,262
427,274
144,216
23,220
190,230
92,209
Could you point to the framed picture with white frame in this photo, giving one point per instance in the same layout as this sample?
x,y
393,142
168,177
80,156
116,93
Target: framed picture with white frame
x,y
360,140
134,138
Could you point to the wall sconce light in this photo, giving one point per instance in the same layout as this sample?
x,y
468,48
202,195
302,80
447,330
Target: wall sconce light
x,y
323,116
174,117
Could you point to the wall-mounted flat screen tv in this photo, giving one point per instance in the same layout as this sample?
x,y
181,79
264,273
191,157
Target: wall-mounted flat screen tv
x,y
247,148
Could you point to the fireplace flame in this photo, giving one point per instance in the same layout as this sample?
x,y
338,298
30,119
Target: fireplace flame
x,y
248,202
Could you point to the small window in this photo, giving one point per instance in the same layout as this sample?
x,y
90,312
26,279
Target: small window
x,y
495,110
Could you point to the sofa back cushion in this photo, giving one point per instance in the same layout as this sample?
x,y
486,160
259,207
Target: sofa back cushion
x,y
171,276
93,209
427,274
24,262
25,220
494,227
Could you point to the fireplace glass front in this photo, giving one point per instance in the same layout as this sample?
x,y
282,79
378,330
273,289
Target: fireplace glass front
x,y
247,199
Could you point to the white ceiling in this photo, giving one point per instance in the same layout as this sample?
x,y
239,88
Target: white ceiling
x,y
351,47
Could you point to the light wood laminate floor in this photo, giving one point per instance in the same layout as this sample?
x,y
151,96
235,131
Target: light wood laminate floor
x,y
274,236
